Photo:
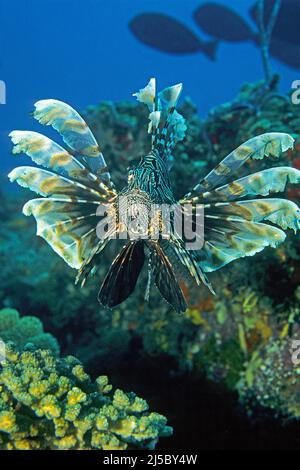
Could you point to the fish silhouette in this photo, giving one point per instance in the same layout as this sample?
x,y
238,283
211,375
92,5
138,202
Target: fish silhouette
x,y
76,184
289,54
225,24
166,34
222,23
286,29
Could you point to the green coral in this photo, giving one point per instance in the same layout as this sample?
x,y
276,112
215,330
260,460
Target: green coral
x,y
24,330
51,403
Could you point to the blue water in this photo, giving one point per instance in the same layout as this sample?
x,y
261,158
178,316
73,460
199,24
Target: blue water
x,y
82,52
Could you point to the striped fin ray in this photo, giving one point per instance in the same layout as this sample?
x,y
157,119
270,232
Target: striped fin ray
x,y
91,263
188,260
173,126
147,95
68,227
46,183
75,133
227,239
49,154
123,274
270,144
172,132
165,279
273,180
166,126
280,212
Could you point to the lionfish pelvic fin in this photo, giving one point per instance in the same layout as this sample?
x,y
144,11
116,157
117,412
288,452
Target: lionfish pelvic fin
x,y
123,274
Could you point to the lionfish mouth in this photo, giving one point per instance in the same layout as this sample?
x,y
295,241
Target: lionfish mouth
x,y
137,216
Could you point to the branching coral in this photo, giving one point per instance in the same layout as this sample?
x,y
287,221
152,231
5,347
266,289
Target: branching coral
x,y
25,330
50,403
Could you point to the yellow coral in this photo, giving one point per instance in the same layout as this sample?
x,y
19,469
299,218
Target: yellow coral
x,y
61,408
79,373
48,407
38,389
75,395
7,421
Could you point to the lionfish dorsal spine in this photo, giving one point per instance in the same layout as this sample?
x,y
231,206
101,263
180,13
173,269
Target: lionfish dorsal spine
x,y
167,126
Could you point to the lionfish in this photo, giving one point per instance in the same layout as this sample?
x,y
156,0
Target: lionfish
x,y
235,225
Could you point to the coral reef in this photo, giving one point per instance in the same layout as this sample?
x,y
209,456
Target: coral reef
x,y
242,340
240,337
271,380
256,109
51,403
25,330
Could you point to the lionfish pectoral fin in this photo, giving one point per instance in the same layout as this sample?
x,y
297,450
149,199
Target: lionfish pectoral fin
x,y
165,280
190,262
207,283
90,264
123,274
264,145
73,187
75,133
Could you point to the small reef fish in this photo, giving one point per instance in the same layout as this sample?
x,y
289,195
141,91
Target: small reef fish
x,y
77,181
169,35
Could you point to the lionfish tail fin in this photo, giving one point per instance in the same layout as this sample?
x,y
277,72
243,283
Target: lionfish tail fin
x,y
123,274
167,126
